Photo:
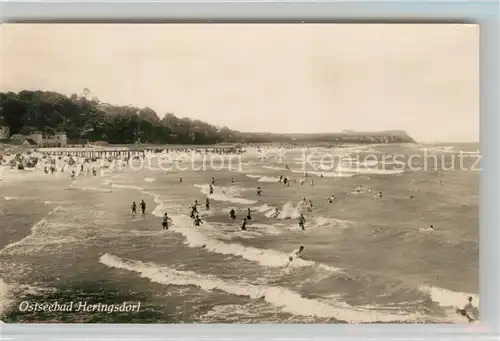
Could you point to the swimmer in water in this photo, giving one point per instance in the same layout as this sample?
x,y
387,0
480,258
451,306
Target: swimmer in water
x,y
207,204
232,180
275,214
194,209
331,199
259,191
211,188
244,224
213,180
379,195
302,221
466,311
180,180
134,208
165,220
143,207
232,214
295,254
197,221
249,214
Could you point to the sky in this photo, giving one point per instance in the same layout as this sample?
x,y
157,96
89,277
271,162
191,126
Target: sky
x,y
283,78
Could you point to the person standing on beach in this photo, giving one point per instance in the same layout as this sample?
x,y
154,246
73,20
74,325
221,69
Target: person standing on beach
x,y
134,208
143,207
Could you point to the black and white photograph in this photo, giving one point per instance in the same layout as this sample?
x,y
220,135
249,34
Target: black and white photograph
x,y
239,173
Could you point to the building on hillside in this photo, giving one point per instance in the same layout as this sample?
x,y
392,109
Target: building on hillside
x,y
56,140
4,132
23,141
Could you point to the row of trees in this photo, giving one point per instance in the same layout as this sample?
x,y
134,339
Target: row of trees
x,y
80,117
84,118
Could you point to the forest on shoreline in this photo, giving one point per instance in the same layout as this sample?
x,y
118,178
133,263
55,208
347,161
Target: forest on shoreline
x,y
90,119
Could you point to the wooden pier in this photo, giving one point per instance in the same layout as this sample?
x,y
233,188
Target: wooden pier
x,y
94,153
125,152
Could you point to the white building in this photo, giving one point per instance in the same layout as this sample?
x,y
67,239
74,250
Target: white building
x,y
57,140
4,132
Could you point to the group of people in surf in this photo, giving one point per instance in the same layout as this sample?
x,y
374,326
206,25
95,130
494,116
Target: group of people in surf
x,y
142,205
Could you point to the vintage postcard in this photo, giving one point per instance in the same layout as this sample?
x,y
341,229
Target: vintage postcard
x,y
239,173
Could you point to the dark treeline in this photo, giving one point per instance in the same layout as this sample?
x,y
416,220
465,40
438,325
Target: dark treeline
x,y
49,112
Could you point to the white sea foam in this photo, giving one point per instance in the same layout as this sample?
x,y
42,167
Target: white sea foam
x,y
374,171
94,189
161,208
477,152
290,211
448,298
365,164
48,202
4,287
230,194
334,174
127,187
264,208
284,299
275,168
197,237
149,179
5,300
34,229
253,176
10,198
329,222
269,179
